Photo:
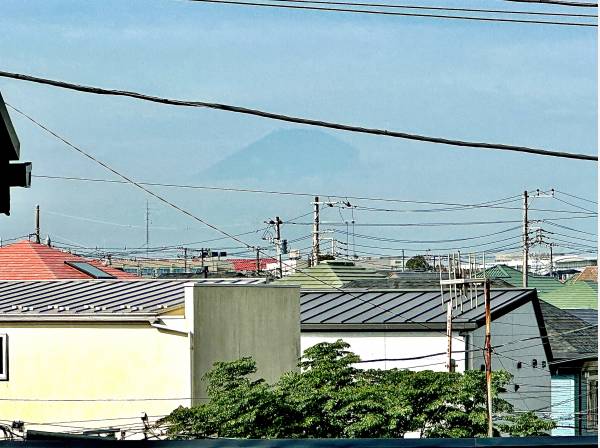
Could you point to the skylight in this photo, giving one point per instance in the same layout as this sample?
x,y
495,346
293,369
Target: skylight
x,y
89,269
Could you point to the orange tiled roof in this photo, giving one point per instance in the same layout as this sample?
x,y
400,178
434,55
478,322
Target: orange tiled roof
x,y
27,260
590,274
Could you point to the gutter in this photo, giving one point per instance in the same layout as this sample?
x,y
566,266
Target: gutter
x,y
77,317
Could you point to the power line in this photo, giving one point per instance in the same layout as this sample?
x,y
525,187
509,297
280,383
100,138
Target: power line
x,y
191,215
388,13
577,197
437,8
456,206
438,224
572,229
293,119
392,240
574,205
557,2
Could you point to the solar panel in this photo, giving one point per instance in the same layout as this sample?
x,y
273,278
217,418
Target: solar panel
x,y
89,269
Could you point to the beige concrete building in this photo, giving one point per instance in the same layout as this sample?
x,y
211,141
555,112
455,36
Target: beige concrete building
x,y
101,353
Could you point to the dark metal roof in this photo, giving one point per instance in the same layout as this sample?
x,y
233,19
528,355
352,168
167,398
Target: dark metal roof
x,y
319,309
401,307
62,297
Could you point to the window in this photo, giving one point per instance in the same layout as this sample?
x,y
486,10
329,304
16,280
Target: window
x,y
592,404
3,357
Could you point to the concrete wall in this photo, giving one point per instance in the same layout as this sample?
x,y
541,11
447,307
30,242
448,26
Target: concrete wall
x,y
233,321
516,337
390,344
119,370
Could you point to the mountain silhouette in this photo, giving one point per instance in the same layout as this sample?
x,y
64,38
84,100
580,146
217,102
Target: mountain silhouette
x,y
288,154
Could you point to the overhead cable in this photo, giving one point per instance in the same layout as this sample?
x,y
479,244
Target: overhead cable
x,y
294,119
438,8
402,14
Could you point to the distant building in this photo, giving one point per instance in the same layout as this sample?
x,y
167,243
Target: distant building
x,y
329,274
27,260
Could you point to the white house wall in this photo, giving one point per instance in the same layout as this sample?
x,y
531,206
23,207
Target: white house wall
x,y
389,344
516,337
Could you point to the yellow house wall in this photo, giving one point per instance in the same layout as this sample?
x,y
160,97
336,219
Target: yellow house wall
x,y
124,362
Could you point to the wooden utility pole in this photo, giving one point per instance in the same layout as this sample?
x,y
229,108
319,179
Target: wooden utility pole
x,y
258,260
449,334
453,283
315,235
277,240
551,261
488,355
185,266
525,239
37,224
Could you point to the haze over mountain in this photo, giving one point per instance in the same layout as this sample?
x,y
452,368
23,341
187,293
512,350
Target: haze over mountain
x,y
286,154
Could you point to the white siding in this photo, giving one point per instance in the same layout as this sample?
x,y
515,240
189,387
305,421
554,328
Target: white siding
x,y
563,405
389,344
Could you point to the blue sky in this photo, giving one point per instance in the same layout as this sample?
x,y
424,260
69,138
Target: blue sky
x,y
519,84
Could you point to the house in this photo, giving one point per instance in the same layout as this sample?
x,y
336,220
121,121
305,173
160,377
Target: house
x,y
105,351
329,274
27,260
579,298
589,274
121,331
513,276
574,367
407,329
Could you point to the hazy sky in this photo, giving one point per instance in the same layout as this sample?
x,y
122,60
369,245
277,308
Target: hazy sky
x,y
516,84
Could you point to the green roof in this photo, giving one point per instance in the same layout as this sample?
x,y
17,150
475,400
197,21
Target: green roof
x,y
543,284
577,295
328,274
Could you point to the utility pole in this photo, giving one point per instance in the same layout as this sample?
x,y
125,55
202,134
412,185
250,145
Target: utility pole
x,y
551,261
278,243
488,354
449,334
37,224
147,229
402,260
258,261
453,283
315,235
525,239
185,267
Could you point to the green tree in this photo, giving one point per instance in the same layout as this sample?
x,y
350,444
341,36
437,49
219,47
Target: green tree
x,y
330,398
418,263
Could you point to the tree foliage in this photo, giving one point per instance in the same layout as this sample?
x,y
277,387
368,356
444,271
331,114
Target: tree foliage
x,y
330,398
418,263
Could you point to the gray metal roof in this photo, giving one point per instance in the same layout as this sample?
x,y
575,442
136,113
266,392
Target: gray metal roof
x,y
404,308
319,309
98,296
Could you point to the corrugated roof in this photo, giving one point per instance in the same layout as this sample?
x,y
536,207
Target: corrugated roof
x,y
569,336
328,275
99,296
318,308
410,282
399,307
577,295
27,260
514,277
